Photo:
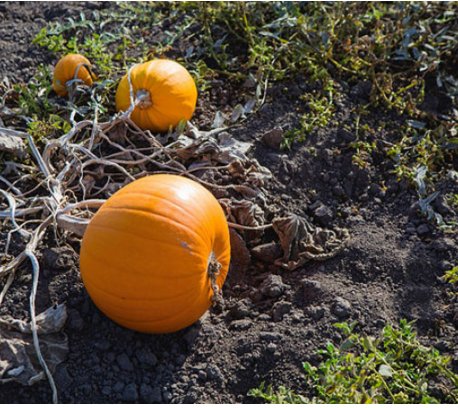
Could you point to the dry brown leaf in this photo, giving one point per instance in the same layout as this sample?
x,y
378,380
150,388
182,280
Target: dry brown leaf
x,y
243,212
18,359
301,241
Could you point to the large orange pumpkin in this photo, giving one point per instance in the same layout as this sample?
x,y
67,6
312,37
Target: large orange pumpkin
x,y
146,254
65,71
167,91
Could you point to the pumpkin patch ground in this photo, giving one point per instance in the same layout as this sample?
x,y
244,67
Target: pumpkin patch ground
x,y
332,156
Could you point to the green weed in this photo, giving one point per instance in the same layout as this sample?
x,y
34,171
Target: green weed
x,y
451,276
320,108
392,368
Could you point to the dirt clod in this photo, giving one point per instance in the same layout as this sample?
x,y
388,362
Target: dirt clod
x,y
341,308
273,138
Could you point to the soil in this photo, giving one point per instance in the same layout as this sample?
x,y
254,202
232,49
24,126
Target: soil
x,y
273,319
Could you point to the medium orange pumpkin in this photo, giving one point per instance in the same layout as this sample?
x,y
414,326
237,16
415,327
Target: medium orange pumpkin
x,y
65,71
146,253
167,91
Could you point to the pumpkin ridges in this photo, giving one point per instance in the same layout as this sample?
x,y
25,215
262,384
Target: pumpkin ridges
x,y
181,209
189,250
160,216
172,90
165,194
188,215
138,78
152,81
162,275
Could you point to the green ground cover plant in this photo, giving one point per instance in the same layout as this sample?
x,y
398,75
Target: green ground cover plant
x,y
394,367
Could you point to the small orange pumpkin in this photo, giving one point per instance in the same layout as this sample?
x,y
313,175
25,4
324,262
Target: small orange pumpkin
x,y
167,91
65,71
146,254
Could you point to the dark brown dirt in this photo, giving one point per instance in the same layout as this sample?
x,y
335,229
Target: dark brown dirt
x,y
390,268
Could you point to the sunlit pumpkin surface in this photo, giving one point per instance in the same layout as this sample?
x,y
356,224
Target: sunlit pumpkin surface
x,y
145,254
65,71
171,94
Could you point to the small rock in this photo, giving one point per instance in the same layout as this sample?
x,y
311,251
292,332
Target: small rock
x,y
346,136
380,323
338,191
59,259
166,396
130,393
312,289
241,324
118,387
280,309
271,347
145,357
297,316
85,388
316,312
410,228
361,90
270,336
241,309
341,308
214,373
150,395
110,357
423,230
273,286
442,207
102,345
324,215
315,205
124,362
273,138
442,346
180,359
392,187
191,396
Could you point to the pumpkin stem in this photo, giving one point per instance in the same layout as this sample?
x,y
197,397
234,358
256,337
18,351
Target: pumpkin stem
x,y
213,271
143,99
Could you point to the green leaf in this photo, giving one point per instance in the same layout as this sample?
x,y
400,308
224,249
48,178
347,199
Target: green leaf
x,y
346,345
385,370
